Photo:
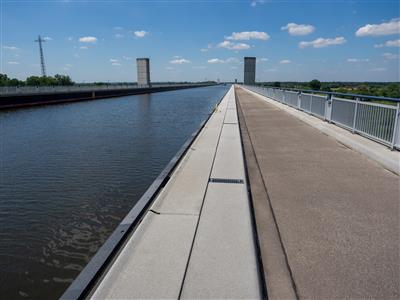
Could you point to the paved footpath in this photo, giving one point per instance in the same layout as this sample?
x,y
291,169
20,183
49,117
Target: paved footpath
x,y
197,240
327,217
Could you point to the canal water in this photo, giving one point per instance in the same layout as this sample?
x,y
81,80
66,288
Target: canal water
x,y
70,172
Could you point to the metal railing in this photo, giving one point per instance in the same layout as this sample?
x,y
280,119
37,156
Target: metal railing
x,y
376,121
26,90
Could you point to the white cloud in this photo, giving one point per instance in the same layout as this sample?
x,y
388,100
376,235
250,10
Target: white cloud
x,y
298,29
83,47
119,36
47,38
391,43
221,61
169,68
215,61
285,61
356,60
255,2
263,59
116,64
11,48
70,38
127,57
388,28
390,56
233,46
140,33
118,28
114,60
234,67
378,69
321,42
180,61
88,39
248,35
232,60
67,67
206,49
13,63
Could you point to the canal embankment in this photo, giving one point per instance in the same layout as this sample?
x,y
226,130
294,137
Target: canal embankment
x,y
45,96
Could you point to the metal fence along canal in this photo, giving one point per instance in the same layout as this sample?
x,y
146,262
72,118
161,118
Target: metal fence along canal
x,y
363,114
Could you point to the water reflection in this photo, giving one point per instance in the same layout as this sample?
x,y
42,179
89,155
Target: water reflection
x,y
69,173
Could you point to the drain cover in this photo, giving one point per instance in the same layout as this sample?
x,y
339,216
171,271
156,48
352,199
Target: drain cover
x,y
226,180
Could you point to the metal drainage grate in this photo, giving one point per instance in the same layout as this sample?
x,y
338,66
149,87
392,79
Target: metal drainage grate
x,y
226,180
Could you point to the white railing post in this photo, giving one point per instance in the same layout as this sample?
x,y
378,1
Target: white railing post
x,y
328,108
355,116
299,100
396,129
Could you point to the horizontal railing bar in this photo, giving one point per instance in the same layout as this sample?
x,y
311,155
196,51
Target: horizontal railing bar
x,y
334,93
376,121
22,90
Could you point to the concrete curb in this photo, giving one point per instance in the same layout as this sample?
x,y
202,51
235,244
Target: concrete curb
x,y
375,151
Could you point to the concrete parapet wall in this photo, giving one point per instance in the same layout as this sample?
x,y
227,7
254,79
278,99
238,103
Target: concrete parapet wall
x,y
15,101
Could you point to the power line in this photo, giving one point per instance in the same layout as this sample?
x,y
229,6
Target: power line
x,y
40,40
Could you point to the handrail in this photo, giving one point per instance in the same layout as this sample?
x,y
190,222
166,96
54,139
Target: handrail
x,y
26,90
332,93
376,121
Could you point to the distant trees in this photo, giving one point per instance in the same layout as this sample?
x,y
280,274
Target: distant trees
x,y
384,89
6,81
392,90
315,84
49,80
36,80
277,84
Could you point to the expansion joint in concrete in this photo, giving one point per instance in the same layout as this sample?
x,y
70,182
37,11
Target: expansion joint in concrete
x,y
201,209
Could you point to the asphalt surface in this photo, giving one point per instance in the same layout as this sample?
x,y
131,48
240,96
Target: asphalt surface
x,y
327,217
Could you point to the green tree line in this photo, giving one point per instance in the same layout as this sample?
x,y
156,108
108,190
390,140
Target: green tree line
x,y
36,80
381,89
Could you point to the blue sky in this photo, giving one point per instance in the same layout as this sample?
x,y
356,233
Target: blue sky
x,y
197,40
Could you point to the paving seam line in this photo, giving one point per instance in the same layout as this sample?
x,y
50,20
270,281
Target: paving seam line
x,y
202,204
256,241
270,206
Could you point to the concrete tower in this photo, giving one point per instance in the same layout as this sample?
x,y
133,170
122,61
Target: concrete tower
x,y
143,71
249,70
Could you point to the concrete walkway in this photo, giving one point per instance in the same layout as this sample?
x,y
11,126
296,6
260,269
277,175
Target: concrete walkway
x,y
197,239
327,217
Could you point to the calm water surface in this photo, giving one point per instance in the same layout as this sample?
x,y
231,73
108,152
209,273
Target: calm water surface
x,y
69,173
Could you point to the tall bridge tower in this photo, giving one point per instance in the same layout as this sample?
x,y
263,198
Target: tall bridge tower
x,y
249,70
143,72
40,41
